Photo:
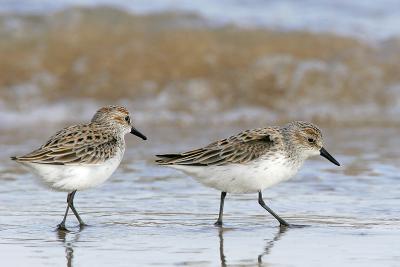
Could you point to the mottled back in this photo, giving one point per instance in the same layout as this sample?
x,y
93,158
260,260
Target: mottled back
x,y
91,143
241,148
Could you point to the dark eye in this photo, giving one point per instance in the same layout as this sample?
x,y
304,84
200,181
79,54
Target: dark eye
x,y
310,140
127,119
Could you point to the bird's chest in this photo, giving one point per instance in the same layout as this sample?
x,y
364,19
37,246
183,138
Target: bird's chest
x,y
273,170
94,175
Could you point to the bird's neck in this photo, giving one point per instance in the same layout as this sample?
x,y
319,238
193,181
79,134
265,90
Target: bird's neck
x,y
293,153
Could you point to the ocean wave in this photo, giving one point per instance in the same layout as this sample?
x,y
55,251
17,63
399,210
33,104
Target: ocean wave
x,y
368,20
173,68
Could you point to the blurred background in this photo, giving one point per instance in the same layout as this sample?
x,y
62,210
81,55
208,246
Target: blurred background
x,y
193,62
192,72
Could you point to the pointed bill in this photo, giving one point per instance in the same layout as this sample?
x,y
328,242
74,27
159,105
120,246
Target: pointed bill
x,y
328,156
138,134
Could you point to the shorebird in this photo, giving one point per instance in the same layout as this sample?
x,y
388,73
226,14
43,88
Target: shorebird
x,y
252,160
82,156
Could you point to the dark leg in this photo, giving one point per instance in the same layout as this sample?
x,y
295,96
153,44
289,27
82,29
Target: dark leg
x,y
71,205
221,209
262,203
61,226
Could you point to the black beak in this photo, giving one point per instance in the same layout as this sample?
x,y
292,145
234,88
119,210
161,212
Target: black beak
x,y
138,134
328,156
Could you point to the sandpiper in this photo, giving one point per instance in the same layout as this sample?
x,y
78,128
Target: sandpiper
x,y
252,160
82,156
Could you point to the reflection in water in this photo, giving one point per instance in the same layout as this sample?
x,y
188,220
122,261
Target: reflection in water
x,y
271,243
68,243
221,246
154,233
267,248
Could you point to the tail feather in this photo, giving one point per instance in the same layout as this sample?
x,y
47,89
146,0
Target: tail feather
x,y
14,158
167,158
186,158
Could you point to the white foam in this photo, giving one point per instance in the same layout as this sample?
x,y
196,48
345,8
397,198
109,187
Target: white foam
x,y
370,20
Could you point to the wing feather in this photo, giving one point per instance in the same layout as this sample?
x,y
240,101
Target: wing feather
x,y
79,144
241,148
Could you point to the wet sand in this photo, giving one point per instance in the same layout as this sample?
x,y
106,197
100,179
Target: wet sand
x,y
148,215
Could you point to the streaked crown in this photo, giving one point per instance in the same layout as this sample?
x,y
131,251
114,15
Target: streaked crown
x,y
116,116
305,137
110,112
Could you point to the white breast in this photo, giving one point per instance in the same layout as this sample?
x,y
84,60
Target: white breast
x,y
75,177
244,178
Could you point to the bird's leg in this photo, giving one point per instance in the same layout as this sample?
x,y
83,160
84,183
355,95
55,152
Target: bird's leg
x,y
71,205
61,226
262,203
221,209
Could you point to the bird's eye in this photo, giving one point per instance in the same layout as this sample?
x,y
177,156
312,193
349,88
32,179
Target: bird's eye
x,y
127,119
310,140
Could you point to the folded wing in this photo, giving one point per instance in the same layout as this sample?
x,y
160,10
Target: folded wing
x,y
78,144
241,148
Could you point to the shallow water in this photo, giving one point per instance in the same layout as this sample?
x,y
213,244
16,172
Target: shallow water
x,y
149,215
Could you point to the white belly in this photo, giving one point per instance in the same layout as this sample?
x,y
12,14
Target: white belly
x,y
243,178
75,177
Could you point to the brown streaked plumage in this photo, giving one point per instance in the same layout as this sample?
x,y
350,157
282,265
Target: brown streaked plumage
x,y
92,143
82,156
251,160
241,148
